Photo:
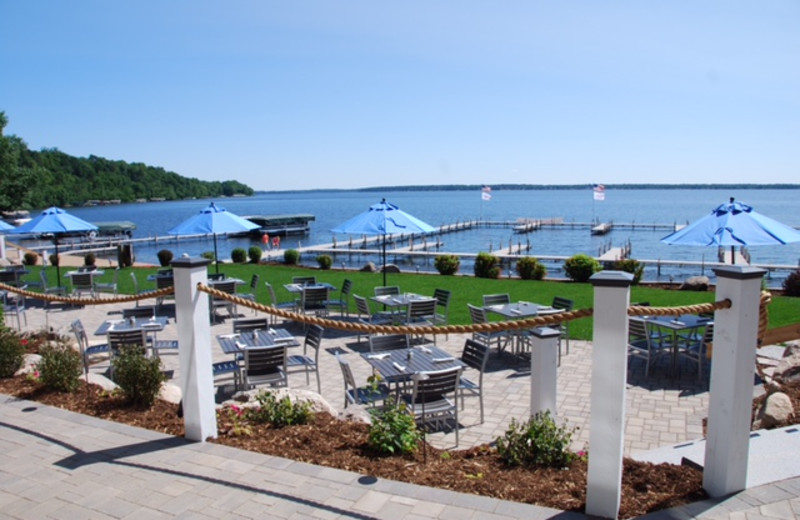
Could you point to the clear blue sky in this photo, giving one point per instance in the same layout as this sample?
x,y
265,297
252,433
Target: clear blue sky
x,y
329,94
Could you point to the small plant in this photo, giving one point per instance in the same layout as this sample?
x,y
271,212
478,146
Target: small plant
x,y
30,258
208,255
629,265
60,367
138,377
581,267
12,352
529,268
325,262
280,412
537,442
238,418
254,254
487,266
447,264
89,259
791,285
393,430
239,255
291,257
164,257
53,258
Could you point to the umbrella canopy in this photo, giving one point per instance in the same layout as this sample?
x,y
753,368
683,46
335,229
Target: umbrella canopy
x,y
731,224
5,226
57,222
384,219
213,220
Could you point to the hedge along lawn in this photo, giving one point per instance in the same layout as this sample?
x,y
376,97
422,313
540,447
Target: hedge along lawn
x,y
465,289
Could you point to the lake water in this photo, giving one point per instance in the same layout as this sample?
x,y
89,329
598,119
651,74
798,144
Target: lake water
x,y
447,207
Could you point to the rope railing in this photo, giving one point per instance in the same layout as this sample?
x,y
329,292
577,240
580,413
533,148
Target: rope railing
x,y
158,293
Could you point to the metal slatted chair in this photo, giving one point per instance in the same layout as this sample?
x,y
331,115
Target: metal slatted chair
x,y
565,305
496,299
108,287
264,366
367,317
252,295
442,315
643,342
86,350
429,401
384,342
122,339
694,348
343,302
363,395
499,338
475,355
305,280
387,290
421,313
226,286
82,283
305,362
287,305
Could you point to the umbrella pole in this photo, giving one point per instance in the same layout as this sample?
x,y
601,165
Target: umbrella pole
x,y
384,259
733,257
216,258
58,262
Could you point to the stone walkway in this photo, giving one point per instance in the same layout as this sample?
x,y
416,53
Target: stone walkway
x,y
62,465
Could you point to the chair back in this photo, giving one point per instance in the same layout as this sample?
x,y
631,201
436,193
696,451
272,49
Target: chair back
x,y
638,334
226,286
263,362
82,281
80,334
250,324
347,286
254,283
384,342
496,299
305,280
477,314
362,306
162,282
435,386
313,298
442,297
271,292
562,303
347,373
43,278
419,310
145,311
119,339
215,277
387,290
475,355
9,277
135,283
313,338
708,335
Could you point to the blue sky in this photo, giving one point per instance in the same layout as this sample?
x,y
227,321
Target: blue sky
x,y
322,94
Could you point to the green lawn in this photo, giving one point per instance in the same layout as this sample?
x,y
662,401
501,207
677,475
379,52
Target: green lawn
x,y
466,289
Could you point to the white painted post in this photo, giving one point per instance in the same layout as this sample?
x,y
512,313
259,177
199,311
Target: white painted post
x,y
731,387
194,348
609,376
544,370
2,246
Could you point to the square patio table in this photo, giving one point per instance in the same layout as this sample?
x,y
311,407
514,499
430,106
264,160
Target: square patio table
x,y
155,324
396,367
675,325
233,343
517,311
297,288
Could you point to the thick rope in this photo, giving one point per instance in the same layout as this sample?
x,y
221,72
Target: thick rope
x,y
87,301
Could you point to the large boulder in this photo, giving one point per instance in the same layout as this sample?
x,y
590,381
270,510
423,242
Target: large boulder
x,y
788,369
170,393
318,403
776,411
369,267
696,283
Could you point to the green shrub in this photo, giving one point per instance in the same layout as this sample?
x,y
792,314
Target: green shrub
x,y
239,255
254,254
447,264
279,412
487,266
529,268
208,255
291,257
165,257
60,367
325,262
30,258
537,442
791,285
53,258
581,267
89,259
629,265
12,352
138,377
393,430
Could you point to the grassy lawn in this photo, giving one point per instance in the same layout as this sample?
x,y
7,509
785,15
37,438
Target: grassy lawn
x,y
465,289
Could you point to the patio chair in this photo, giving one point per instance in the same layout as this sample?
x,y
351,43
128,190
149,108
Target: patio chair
x,y
304,362
312,301
496,299
305,280
565,305
86,350
694,349
367,317
136,290
421,313
252,295
343,302
387,290
363,395
475,355
429,401
82,283
163,282
147,312
384,342
228,287
123,339
15,308
250,325
643,342
108,287
286,305
499,338
442,316
264,366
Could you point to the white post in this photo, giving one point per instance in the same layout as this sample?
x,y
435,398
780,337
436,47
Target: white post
x,y
609,376
2,246
731,387
544,370
194,344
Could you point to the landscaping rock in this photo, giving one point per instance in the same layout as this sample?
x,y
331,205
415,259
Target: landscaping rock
x,y
776,411
355,413
101,381
788,369
369,267
170,393
318,403
391,268
696,283
29,363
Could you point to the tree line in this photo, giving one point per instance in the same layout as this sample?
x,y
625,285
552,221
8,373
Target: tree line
x,y
37,179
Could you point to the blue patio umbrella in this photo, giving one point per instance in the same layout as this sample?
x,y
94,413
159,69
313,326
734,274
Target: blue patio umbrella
x,y
5,226
54,221
384,219
213,220
731,224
